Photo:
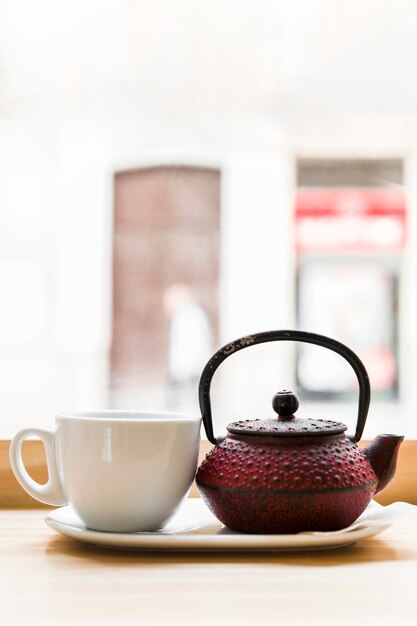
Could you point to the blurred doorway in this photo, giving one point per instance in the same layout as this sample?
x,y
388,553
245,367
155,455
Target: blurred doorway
x,y
165,254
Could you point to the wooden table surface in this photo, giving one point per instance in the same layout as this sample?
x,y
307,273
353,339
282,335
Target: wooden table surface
x,y
49,579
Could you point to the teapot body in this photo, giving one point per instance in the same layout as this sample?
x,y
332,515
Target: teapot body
x,y
290,474
277,485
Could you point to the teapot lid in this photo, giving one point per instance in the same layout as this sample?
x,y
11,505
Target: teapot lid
x,y
285,403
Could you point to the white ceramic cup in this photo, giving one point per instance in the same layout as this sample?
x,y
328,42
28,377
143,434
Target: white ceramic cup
x,y
121,471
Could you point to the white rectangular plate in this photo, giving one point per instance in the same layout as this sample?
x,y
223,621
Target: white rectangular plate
x,y
195,528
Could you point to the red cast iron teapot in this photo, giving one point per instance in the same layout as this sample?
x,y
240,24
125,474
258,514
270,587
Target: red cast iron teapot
x,y
290,474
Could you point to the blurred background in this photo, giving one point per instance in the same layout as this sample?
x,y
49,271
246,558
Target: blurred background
x,y
175,174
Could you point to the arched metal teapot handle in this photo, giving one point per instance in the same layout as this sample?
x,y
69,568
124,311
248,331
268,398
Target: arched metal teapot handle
x,y
284,335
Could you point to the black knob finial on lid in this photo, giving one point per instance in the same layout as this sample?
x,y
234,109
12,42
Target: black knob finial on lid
x,y
285,403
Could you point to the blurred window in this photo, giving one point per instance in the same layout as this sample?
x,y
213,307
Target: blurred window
x,y
350,234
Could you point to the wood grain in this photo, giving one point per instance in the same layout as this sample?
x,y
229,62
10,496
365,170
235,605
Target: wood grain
x,y
403,487
48,579
11,493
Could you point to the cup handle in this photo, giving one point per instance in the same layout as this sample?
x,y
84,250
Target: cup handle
x,y
51,492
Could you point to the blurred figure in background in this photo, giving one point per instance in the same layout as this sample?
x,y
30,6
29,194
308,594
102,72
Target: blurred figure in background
x,y
189,344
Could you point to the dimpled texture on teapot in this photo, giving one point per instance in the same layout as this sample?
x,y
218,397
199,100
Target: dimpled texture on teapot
x,y
335,464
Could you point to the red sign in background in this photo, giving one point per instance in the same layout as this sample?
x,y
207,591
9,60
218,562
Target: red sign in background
x,y
350,220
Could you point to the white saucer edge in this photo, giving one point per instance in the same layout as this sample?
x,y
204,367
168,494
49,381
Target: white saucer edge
x,y
190,540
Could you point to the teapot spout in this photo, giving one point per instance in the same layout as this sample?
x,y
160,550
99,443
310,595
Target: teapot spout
x,y
382,454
